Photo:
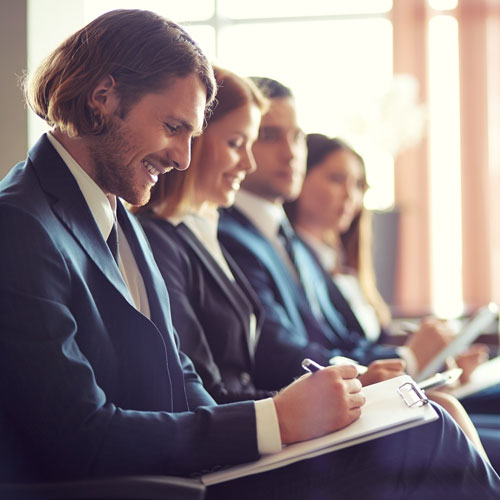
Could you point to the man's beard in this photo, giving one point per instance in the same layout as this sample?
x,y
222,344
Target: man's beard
x,y
112,174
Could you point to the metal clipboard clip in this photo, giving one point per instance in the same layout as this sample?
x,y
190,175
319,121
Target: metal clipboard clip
x,y
412,394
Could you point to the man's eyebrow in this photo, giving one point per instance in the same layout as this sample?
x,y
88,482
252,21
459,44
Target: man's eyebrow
x,y
188,127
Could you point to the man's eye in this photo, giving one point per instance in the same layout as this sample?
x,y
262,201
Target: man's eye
x,y
171,128
270,135
236,143
336,178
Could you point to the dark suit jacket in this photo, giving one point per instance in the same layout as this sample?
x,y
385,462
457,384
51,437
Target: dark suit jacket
x,y
88,385
341,304
290,331
210,312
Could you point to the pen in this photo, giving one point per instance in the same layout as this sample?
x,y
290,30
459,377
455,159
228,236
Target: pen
x,y
446,378
311,366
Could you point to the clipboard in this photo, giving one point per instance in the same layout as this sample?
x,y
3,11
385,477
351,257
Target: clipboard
x,y
476,325
391,406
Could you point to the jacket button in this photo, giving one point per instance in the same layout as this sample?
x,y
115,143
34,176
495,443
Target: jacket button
x,y
245,378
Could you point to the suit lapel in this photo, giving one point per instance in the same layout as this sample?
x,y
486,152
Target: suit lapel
x,y
247,290
155,286
344,308
238,226
72,209
312,272
229,289
335,296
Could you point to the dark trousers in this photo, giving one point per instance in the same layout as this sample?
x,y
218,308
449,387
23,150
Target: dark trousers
x,y
487,401
432,461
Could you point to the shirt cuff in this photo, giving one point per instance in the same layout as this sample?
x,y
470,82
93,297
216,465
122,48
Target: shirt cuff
x,y
268,428
411,361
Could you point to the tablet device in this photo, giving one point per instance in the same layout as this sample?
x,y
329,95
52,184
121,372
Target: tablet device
x,y
476,325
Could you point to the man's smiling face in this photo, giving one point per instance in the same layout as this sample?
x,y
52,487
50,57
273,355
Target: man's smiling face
x,y
153,137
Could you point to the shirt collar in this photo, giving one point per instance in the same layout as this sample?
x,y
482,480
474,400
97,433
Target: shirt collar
x,y
202,222
103,207
265,215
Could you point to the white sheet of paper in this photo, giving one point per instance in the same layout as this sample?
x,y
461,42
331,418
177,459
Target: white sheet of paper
x,y
463,339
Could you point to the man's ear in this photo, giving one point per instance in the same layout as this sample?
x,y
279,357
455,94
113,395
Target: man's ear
x,y
104,99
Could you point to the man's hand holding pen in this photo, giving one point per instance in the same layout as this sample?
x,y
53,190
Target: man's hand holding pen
x,y
319,403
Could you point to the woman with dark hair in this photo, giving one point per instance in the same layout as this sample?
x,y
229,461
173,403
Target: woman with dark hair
x,y
214,309
330,217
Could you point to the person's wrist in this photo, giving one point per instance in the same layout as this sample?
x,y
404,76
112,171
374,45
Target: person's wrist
x,y
282,420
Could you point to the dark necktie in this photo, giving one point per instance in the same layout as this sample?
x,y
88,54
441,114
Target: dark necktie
x,y
287,236
112,242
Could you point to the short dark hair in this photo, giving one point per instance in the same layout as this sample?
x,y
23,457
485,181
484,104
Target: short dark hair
x,y
272,89
138,48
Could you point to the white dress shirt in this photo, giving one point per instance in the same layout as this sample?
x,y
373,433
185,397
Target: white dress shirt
x,y
267,218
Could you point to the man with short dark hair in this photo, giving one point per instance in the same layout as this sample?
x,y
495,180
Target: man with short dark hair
x,y
306,315
91,379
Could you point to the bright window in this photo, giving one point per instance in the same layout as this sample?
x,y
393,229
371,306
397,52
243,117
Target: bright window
x,y
445,175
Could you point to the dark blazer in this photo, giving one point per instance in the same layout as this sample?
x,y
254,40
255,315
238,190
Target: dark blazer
x,y
290,331
88,385
210,311
341,304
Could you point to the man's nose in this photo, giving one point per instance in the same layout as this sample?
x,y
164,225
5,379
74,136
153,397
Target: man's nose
x,y
180,155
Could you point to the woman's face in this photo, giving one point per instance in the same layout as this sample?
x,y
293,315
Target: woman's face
x,y
333,190
227,155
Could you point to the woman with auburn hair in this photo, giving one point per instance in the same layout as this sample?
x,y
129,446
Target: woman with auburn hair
x,y
214,309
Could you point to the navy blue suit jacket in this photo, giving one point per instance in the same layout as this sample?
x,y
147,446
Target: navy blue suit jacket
x,y
88,385
210,311
291,331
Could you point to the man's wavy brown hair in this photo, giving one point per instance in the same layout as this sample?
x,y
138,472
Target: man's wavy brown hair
x,y
142,51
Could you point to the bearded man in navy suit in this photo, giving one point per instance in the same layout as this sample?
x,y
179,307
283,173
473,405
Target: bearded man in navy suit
x,y
92,382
